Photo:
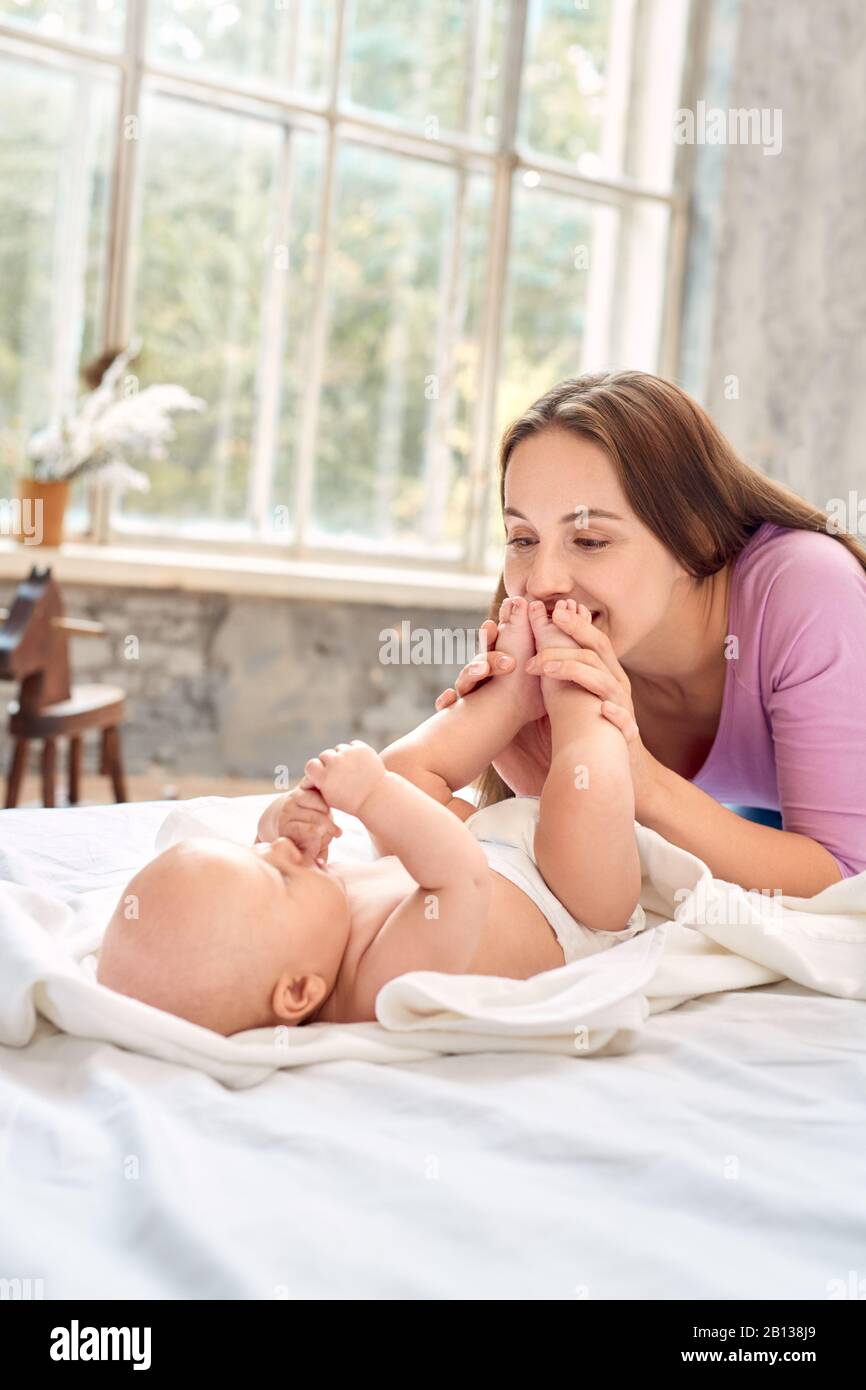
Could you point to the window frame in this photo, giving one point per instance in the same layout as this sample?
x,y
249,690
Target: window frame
x,y
337,119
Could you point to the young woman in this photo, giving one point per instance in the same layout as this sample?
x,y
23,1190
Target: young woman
x,y
722,628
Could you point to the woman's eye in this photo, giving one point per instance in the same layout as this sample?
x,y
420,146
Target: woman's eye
x,y
585,543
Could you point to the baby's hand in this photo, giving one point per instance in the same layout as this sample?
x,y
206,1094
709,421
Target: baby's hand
x,y
346,775
303,816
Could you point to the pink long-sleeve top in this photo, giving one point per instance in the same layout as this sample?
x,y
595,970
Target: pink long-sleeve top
x,y
792,732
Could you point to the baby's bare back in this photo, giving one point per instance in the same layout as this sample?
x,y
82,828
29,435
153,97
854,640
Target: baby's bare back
x,y
516,940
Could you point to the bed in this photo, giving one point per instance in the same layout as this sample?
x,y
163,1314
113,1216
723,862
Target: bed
x,y
719,1157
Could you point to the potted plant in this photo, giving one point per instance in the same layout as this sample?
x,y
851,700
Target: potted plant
x,y
114,422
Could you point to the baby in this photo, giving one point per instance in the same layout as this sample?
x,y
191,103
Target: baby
x,y
234,937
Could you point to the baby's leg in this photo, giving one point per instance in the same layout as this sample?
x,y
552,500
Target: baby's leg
x,y
585,844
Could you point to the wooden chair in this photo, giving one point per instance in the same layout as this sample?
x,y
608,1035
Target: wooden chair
x,y
34,649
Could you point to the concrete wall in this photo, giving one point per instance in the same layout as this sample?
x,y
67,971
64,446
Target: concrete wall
x,y
237,687
776,294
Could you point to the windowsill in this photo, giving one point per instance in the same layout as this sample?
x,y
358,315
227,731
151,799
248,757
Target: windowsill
x,y
81,562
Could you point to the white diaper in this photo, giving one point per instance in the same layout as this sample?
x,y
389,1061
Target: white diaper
x,y
506,831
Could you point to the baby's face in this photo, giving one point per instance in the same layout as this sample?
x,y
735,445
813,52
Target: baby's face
x,y
229,936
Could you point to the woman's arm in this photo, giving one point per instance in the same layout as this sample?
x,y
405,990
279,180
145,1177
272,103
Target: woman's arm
x,y
757,857
807,627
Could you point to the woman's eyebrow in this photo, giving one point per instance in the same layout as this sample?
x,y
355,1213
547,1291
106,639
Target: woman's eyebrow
x,y
569,516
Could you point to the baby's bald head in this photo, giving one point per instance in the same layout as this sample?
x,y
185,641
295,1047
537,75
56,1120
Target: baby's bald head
x,y
226,936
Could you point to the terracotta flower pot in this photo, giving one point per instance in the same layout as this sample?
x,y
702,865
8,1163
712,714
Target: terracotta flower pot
x,y
43,507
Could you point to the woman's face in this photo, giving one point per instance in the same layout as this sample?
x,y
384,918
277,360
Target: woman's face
x,y
570,533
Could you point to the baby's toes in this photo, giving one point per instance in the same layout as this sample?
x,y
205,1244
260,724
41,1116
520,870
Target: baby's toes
x,y
544,630
547,633
515,635
565,615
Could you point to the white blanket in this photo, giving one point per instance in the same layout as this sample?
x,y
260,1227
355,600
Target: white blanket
x,y
705,936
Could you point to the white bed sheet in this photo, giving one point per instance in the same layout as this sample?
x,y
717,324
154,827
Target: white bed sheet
x,y
722,1157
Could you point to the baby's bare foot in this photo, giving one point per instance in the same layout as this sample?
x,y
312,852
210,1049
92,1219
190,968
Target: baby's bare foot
x,y
515,638
547,633
515,634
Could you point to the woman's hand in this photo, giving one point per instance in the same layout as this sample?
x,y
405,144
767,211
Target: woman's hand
x,y
479,670
593,665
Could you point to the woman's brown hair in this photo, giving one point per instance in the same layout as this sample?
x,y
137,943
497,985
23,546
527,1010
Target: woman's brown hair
x,y
681,476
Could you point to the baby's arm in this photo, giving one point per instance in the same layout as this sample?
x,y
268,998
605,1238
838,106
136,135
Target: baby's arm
x,y
438,926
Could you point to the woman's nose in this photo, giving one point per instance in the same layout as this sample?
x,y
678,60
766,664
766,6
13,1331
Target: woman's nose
x,y
549,578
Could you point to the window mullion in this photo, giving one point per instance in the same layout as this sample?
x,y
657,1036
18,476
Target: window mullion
x,y
452,299
116,316
70,249
452,302
308,435
271,339
480,471
692,82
